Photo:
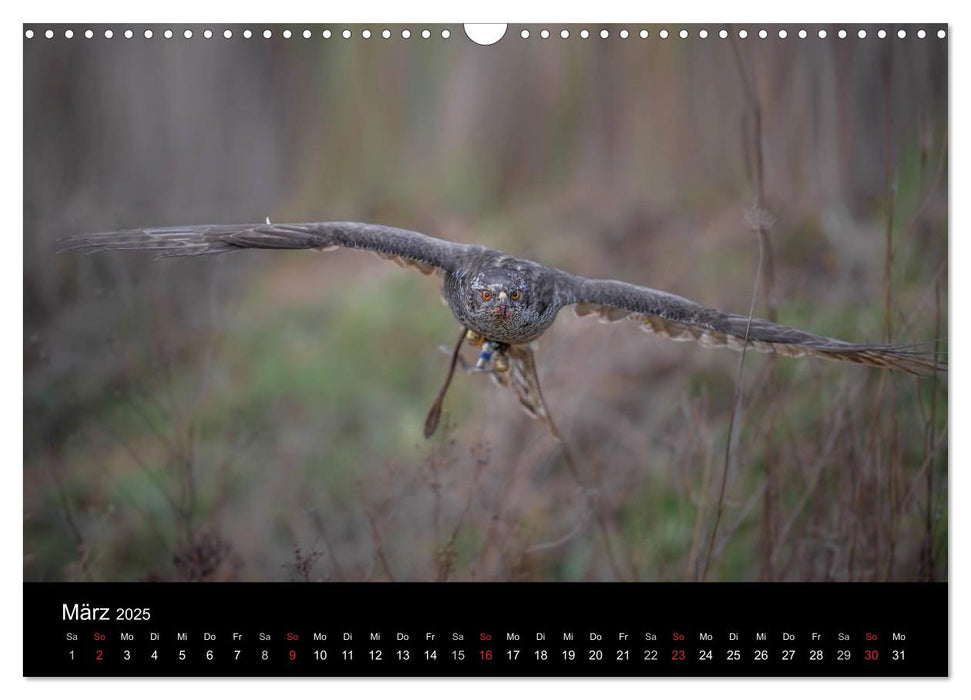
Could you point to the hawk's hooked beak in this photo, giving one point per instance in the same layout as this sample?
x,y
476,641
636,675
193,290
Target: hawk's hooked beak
x,y
502,307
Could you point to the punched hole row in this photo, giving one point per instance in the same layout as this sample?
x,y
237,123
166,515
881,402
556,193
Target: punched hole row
x,y
741,34
246,34
525,34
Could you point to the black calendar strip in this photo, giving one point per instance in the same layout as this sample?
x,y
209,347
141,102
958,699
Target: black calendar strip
x,y
404,629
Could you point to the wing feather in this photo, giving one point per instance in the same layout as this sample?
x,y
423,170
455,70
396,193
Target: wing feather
x,y
406,248
681,319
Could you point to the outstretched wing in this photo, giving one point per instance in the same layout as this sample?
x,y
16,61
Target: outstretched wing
x,y
678,318
407,248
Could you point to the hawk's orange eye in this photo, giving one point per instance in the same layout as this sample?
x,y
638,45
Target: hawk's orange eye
x,y
515,295
486,295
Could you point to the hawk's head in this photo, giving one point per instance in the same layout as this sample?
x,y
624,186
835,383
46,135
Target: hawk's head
x,y
504,299
500,295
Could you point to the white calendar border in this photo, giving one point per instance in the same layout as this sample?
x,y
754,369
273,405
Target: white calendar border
x,y
11,648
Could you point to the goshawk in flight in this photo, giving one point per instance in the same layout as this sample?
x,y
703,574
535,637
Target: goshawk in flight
x,y
503,303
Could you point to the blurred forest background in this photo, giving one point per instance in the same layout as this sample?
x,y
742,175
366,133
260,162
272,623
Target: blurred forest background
x,y
259,416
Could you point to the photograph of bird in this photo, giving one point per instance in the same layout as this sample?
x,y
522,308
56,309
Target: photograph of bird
x,y
502,416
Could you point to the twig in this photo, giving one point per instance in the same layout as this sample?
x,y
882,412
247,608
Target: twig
x,y
697,533
448,550
319,524
890,206
563,539
764,253
375,535
79,541
731,421
929,440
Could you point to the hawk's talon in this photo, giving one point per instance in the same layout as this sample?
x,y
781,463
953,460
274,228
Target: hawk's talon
x,y
474,338
489,349
492,357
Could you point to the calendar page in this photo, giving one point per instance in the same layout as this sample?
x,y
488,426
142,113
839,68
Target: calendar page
x,y
485,350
